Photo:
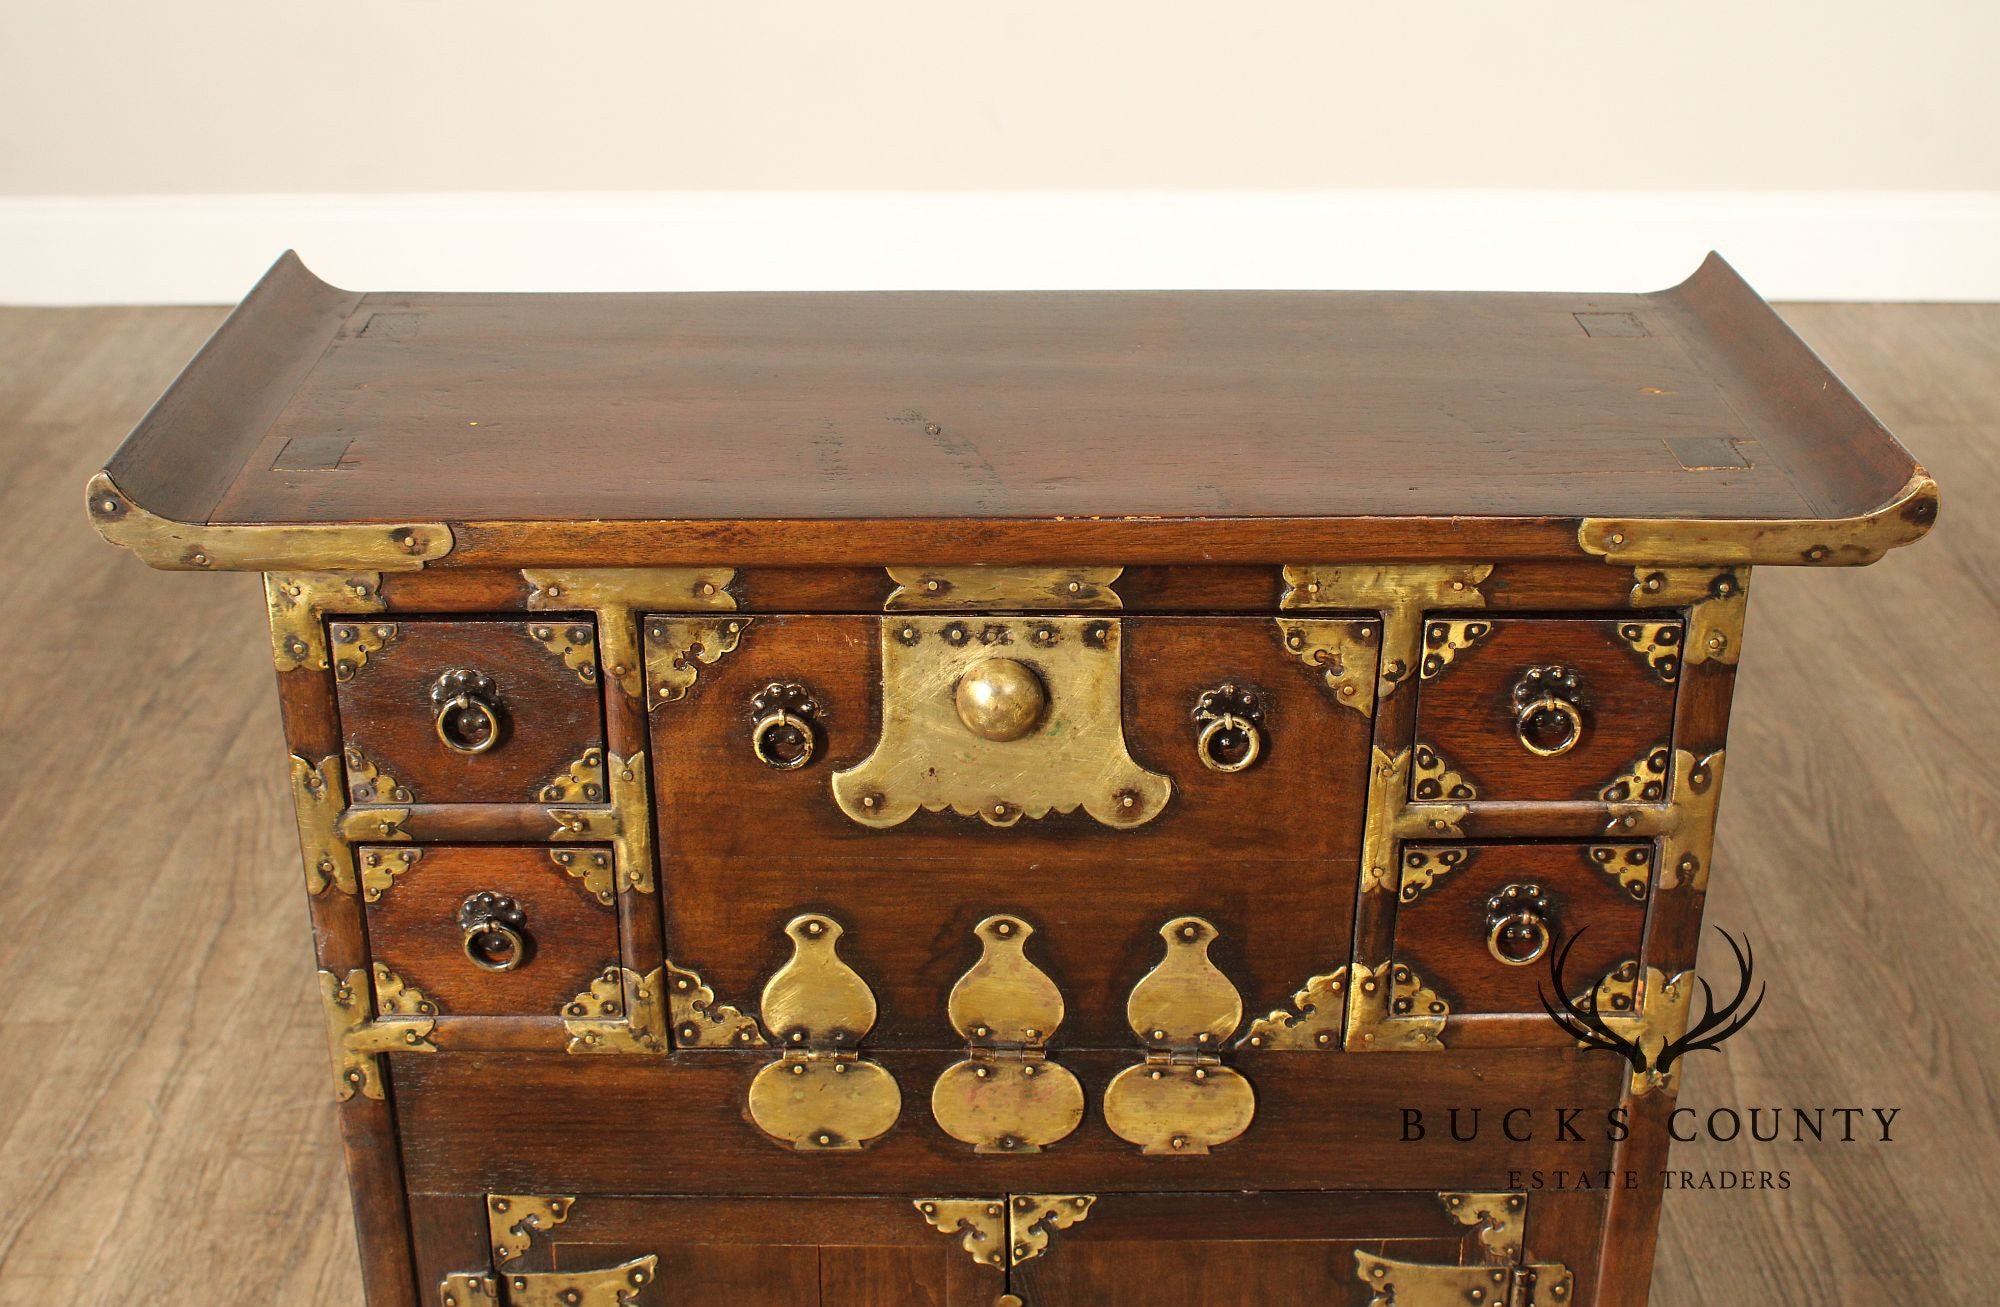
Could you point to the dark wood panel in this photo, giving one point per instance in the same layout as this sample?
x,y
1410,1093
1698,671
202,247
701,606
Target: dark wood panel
x,y
1444,933
1467,712
549,715
1269,855
1205,1250
635,1124
413,929
800,1250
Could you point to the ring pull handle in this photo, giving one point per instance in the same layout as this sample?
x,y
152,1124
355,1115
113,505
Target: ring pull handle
x,y
468,710
785,735
1229,728
1519,925
1548,710
496,931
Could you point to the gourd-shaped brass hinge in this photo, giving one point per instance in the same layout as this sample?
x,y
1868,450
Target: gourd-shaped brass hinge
x,y
820,1093
1006,1096
1181,1099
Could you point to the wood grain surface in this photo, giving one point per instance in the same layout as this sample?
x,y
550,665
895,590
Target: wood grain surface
x,y
166,1126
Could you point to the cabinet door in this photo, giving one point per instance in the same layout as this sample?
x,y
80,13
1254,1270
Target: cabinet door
x,y
770,1252
1273,1249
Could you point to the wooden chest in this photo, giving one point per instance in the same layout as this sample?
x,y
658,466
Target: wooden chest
x,y
1055,799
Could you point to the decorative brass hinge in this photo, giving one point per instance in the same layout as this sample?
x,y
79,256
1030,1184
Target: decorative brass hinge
x,y
1006,1096
1051,737
820,1093
1181,1100
1002,589
1004,1232
512,1222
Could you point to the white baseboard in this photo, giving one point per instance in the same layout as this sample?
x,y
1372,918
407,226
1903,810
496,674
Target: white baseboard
x,y
209,249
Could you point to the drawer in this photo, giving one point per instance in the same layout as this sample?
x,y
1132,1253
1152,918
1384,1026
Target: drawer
x,y
483,711
1528,708
484,930
1046,1250
1481,922
1269,854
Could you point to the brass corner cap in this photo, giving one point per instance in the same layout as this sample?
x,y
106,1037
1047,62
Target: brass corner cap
x,y
1814,542
198,547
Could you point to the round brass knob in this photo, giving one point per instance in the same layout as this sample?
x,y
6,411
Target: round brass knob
x,y
1000,699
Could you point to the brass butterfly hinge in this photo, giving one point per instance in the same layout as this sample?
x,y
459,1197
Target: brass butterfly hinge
x,y
1006,1096
821,1093
1181,1100
1005,1231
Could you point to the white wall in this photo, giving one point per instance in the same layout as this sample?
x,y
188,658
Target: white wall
x,y
1851,145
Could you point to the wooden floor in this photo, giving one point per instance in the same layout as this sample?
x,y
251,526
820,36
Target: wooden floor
x,y
165,1128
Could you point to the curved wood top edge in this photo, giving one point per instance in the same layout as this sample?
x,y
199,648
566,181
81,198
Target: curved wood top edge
x,y
231,393
1857,469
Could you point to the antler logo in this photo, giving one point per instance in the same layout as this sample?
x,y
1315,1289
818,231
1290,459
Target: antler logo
x,y
1649,1040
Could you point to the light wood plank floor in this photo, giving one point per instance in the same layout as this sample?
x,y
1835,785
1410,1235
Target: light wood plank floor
x,y
165,1133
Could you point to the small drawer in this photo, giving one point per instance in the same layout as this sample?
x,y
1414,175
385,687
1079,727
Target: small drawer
x,y
485,930
438,711
1480,923
1549,709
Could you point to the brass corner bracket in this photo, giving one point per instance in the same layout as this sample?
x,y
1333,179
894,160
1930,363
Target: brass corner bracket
x,y
1390,1010
357,1037
701,1022
620,1013
1313,1022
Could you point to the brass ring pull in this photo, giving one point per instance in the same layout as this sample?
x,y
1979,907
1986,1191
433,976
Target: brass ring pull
x,y
1230,737
1518,929
496,931
1528,727
785,736
1229,726
1513,926
1548,713
468,711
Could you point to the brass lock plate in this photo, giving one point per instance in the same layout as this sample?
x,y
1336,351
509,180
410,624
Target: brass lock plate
x,y
1002,718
